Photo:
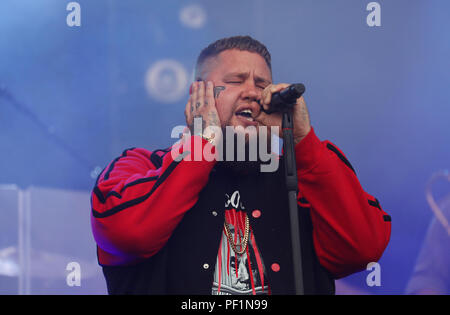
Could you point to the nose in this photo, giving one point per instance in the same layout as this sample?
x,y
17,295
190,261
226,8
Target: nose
x,y
243,274
251,92
252,95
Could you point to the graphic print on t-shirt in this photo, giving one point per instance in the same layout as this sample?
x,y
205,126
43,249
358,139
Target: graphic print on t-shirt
x,y
234,273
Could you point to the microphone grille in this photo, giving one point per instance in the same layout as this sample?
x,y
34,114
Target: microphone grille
x,y
298,89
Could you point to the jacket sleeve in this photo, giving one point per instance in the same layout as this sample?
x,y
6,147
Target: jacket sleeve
x,y
140,198
350,229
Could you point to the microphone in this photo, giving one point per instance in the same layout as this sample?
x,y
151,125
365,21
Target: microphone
x,y
284,99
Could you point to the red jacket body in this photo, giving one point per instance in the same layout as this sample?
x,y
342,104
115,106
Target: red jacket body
x,y
151,219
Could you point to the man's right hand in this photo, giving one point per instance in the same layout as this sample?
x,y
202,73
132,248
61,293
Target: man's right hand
x,y
201,104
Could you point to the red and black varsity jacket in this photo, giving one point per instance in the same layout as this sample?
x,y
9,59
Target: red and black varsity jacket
x,y
158,221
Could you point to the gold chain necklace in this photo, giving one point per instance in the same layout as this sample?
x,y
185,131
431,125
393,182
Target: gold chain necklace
x,y
244,243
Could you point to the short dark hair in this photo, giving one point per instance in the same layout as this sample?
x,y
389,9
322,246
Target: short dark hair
x,y
245,43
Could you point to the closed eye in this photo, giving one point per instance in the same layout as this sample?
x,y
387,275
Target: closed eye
x,y
239,82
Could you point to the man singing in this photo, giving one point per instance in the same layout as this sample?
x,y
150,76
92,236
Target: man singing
x,y
166,222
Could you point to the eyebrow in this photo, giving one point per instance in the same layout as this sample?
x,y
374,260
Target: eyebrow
x,y
244,75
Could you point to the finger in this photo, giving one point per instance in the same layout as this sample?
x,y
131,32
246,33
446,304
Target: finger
x,y
194,96
301,101
278,87
188,109
209,95
273,88
269,90
265,99
200,95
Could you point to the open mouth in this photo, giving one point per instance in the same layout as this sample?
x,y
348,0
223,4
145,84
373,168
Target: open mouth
x,y
246,113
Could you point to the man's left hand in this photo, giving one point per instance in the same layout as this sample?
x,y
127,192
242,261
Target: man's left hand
x,y
302,124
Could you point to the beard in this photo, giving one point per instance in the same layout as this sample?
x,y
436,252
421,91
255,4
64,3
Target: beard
x,y
241,151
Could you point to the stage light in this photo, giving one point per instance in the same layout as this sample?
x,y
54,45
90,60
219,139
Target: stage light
x,y
193,16
166,81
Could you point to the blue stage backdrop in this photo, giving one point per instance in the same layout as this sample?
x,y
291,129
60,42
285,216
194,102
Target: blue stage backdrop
x,y
73,97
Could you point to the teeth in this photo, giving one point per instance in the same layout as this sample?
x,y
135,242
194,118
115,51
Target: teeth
x,y
246,113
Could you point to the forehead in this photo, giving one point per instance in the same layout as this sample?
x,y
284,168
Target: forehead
x,y
237,61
